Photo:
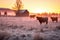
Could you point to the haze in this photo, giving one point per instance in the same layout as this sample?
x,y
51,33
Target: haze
x,y
35,6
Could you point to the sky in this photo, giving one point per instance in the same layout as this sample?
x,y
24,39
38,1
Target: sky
x,y
35,6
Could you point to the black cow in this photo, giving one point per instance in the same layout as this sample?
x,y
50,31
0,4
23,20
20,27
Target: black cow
x,y
54,19
42,19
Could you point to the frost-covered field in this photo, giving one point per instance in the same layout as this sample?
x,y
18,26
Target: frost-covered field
x,y
26,28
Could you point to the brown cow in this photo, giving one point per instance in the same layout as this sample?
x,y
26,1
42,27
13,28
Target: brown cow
x,y
54,19
42,19
32,16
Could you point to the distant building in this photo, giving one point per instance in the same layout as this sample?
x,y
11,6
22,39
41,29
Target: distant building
x,y
22,13
7,12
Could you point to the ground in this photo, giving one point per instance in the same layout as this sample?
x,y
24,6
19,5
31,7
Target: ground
x,y
26,28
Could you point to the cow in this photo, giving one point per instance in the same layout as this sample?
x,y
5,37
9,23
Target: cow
x,y
32,16
54,19
42,19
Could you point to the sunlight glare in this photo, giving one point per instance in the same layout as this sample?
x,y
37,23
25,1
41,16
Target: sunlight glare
x,y
39,11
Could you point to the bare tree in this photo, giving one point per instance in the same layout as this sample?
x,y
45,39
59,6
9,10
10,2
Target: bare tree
x,y
18,5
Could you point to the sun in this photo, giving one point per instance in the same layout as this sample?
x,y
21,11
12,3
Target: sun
x,y
39,11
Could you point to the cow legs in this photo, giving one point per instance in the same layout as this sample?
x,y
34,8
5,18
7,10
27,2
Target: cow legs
x,y
53,20
56,20
40,22
46,22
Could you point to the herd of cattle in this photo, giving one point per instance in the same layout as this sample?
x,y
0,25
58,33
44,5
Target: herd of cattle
x,y
45,19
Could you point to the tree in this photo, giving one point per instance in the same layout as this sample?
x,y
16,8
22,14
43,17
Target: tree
x,y
18,5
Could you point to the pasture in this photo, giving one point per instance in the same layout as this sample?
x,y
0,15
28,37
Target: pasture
x,y
29,27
